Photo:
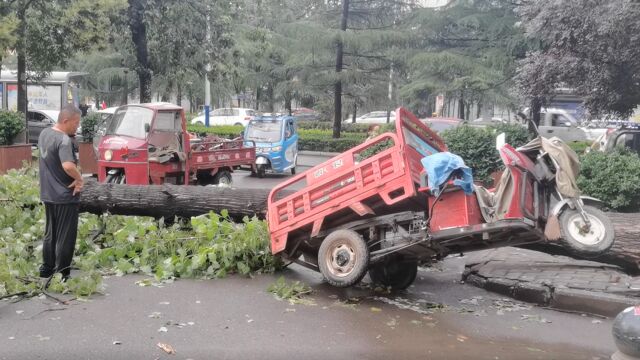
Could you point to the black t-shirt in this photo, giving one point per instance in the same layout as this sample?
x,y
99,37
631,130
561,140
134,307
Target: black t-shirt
x,y
56,148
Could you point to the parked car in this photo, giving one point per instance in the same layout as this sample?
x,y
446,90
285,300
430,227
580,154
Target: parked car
x,y
627,135
374,117
38,121
562,124
440,124
226,116
305,114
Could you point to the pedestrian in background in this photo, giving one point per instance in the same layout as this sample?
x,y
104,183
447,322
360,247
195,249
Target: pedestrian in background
x,y
60,186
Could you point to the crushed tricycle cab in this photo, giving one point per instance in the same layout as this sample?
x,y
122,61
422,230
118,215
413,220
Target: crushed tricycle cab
x,y
377,208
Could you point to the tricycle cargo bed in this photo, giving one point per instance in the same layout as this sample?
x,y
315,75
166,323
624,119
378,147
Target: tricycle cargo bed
x,y
378,177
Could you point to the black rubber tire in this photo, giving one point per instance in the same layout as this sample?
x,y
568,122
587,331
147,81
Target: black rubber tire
x,y
575,246
114,179
357,246
396,273
223,176
261,171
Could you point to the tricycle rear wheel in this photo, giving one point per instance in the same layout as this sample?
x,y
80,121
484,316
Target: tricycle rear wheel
x,y
396,273
343,258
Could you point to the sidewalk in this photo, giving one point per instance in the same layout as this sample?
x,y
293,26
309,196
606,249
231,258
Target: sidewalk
x,y
557,282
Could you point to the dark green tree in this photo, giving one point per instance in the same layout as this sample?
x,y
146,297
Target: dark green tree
x,y
592,46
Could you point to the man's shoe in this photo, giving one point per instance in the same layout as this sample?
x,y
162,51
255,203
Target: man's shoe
x,y
46,274
65,279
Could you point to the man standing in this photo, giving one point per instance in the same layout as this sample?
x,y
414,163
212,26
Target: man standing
x,y
60,186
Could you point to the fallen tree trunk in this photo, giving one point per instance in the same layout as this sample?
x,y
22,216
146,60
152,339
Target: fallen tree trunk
x,y
169,200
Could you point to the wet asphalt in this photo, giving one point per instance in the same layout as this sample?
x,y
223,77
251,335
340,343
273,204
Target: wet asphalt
x,y
237,318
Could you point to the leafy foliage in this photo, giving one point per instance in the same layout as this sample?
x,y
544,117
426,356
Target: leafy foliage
x,y
585,45
11,124
88,125
213,247
476,146
516,135
294,292
612,177
466,51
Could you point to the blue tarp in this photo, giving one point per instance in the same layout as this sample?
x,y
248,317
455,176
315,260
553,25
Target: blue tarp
x,y
439,167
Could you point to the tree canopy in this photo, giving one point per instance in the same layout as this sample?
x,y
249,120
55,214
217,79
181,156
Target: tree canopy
x,y
591,46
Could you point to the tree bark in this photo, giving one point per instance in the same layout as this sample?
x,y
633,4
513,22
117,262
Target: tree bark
x,y
169,200
461,106
22,66
139,38
337,103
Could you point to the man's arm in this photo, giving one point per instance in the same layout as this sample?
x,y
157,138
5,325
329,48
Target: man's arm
x,y
72,170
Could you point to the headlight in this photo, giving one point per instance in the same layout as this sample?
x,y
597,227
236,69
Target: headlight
x,y
108,155
276,148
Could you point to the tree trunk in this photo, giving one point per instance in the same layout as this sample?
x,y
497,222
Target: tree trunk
x,y
22,67
461,106
536,105
172,200
139,38
258,92
337,116
355,110
179,99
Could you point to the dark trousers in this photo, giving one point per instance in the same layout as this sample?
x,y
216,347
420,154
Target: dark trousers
x,y
59,238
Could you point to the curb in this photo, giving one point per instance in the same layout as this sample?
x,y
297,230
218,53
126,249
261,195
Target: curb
x,y
555,298
318,153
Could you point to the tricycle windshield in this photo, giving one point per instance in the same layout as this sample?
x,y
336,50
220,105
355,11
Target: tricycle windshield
x,y
130,121
264,131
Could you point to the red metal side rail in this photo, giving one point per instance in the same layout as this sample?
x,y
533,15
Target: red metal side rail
x,y
222,154
339,183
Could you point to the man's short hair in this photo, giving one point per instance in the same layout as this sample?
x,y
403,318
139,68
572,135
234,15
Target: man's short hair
x,y
67,112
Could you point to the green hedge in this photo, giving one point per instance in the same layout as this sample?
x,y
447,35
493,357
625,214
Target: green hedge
x,y
580,146
477,146
612,177
310,139
11,124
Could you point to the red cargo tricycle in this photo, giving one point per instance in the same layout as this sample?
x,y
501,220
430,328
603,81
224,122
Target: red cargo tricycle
x,y
149,144
367,211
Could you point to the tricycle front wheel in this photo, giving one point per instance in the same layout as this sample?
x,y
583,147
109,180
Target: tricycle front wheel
x,y
396,273
582,240
343,258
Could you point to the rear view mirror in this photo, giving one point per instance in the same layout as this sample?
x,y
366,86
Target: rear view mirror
x,y
501,140
147,127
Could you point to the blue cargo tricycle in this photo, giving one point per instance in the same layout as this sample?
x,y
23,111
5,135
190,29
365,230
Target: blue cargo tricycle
x,y
276,141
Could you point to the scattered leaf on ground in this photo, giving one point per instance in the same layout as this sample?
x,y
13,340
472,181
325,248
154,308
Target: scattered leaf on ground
x,y
167,348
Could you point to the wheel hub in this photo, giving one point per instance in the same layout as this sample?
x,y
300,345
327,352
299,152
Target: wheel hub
x,y
343,257
588,235
341,260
